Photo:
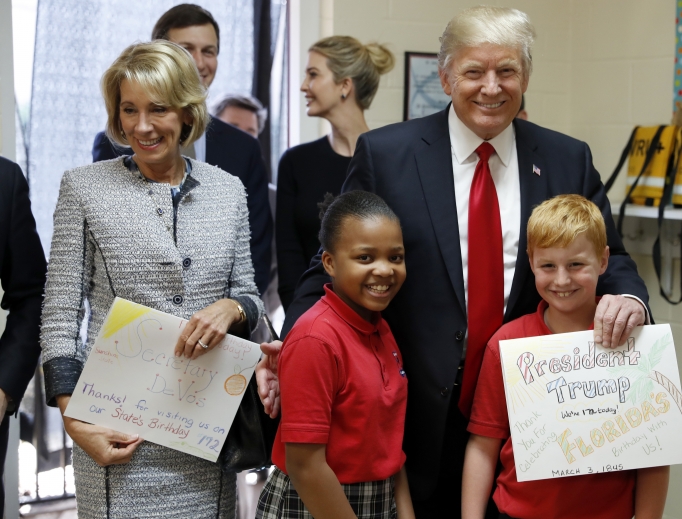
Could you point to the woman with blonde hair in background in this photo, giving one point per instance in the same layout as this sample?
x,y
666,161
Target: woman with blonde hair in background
x,y
341,79
161,230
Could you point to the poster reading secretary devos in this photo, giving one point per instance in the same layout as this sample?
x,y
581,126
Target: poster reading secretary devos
x,y
133,383
578,408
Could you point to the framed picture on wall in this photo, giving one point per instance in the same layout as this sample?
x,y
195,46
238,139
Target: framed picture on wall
x,y
423,93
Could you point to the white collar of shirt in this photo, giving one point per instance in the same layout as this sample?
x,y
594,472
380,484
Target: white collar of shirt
x,y
464,142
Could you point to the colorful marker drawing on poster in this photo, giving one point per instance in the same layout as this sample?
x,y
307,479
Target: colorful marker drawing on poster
x,y
133,383
578,408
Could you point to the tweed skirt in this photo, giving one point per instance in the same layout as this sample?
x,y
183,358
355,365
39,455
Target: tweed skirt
x,y
157,483
369,500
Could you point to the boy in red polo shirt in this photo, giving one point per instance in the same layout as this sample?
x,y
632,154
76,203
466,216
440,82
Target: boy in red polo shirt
x,y
568,252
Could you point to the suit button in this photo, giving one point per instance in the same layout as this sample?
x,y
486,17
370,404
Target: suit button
x,y
177,299
444,392
186,263
159,211
459,335
151,192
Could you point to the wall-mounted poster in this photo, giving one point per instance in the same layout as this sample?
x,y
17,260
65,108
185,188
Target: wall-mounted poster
x,y
423,93
576,407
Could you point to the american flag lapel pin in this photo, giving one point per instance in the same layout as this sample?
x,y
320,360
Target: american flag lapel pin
x,y
536,170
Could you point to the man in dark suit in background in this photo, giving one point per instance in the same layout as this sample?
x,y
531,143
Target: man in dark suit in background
x,y
22,273
433,172
222,145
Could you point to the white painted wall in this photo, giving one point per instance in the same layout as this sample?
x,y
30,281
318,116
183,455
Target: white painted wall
x,y
600,67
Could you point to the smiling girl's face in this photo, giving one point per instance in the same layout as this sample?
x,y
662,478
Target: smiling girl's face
x,y
367,265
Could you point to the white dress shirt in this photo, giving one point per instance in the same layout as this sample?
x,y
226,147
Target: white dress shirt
x,y
504,168
197,150
200,148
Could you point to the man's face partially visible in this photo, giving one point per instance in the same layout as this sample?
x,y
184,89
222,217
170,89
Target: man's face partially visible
x,y
486,84
202,43
245,120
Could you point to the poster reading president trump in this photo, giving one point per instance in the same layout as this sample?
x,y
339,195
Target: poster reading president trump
x,y
577,408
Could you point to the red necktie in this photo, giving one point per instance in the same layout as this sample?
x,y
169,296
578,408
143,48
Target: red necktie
x,y
486,273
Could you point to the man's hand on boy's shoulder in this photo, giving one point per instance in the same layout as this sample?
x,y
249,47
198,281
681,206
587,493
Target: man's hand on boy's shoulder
x,y
616,318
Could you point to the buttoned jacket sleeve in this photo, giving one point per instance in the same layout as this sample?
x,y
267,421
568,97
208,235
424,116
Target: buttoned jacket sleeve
x,y
242,286
68,281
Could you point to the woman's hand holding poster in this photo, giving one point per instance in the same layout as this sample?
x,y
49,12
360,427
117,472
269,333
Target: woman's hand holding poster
x,y
578,408
133,383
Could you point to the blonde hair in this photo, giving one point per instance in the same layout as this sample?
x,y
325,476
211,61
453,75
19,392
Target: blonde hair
x,y
476,26
169,76
364,64
557,222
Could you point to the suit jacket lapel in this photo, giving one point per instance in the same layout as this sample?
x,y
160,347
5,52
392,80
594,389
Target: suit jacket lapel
x,y
533,192
434,164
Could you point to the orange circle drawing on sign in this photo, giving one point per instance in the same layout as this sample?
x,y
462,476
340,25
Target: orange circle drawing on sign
x,y
235,384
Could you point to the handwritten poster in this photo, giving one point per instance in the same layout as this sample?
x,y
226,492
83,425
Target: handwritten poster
x,y
133,383
578,408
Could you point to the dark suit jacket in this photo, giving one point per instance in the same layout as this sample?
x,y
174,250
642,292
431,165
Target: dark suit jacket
x,y
22,272
410,165
238,153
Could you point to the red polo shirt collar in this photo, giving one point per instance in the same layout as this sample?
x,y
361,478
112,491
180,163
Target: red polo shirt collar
x,y
349,315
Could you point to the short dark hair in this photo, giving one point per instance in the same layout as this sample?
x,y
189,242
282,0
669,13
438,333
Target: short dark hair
x,y
247,103
181,16
354,204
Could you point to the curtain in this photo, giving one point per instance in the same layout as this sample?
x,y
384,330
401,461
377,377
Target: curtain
x,y
262,53
279,82
269,78
76,40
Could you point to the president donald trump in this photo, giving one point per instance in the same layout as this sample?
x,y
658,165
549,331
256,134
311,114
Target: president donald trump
x,y
464,182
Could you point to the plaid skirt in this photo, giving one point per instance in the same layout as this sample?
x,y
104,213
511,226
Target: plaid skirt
x,y
370,500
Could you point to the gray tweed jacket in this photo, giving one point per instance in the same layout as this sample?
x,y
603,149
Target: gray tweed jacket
x,y
115,235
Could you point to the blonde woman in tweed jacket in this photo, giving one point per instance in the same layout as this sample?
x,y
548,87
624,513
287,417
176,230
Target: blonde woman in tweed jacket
x,y
161,230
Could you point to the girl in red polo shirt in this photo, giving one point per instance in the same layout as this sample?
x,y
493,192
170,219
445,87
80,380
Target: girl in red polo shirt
x,y
338,451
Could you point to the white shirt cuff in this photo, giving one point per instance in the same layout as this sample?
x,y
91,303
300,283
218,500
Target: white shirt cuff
x,y
646,310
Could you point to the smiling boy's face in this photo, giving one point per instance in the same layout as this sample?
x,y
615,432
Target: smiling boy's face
x,y
566,277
